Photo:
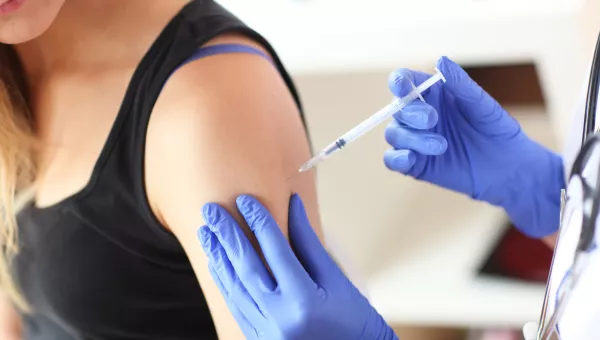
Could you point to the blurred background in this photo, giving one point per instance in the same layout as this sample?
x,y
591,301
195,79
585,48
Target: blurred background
x,y
435,264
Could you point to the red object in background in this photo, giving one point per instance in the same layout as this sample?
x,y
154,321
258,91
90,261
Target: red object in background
x,y
519,257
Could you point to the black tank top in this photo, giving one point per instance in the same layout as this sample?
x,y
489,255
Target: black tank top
x,y
99,265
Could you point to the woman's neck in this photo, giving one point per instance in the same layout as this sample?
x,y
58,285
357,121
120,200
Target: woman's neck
x,y
92,34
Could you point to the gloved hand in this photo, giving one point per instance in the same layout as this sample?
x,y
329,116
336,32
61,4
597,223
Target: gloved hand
x,y
463,140
315,301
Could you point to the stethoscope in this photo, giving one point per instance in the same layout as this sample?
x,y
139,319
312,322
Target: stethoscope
x,y
582,197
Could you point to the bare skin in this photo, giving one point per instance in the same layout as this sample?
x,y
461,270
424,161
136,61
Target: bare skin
x,y
77,52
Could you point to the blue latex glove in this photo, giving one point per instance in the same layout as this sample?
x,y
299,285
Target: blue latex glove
x,y
308,296
463,140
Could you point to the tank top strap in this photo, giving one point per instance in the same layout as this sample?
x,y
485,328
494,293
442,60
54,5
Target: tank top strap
x,y
122,170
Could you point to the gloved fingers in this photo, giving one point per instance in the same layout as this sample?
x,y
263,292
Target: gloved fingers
x,y
238,248
239,317
418,115
401,160
212,271
402,80
239,295
307,245
288,272
423,142
227,278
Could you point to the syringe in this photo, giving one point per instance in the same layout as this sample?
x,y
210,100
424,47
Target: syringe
x,y
371,122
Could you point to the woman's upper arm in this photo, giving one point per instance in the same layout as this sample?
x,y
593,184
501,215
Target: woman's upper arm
x,y
224,126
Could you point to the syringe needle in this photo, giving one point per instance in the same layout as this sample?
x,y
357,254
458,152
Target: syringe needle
x,y
371,122
311,163
321,156
306,166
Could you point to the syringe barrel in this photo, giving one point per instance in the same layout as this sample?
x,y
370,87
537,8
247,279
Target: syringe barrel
x,y
389,110
368,124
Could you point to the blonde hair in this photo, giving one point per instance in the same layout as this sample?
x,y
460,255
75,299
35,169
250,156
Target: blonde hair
x,y
17,162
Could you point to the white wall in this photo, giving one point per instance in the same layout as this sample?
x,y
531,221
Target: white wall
x,y
333,36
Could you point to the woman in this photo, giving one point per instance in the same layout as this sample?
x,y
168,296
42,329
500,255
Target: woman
x,y
125,117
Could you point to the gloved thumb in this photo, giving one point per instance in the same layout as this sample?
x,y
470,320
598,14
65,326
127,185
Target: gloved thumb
x,y
306,244
458,81
472,99
479,108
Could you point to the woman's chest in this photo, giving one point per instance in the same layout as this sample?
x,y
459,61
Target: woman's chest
x,y
69,268
74,116
92,279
